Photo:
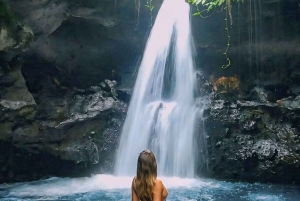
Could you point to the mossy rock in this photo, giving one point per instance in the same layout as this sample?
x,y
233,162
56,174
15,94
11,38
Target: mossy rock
x,y
96,133
265,134
8,24
7,16
6,130
12,33
292,159
27,112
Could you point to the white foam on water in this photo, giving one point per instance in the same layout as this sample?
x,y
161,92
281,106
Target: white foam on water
x,y
265,197
68,186
176,182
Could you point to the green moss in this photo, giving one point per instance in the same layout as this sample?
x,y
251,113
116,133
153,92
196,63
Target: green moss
x,y
6,130
265,134
8,25
291,159
97,137
60,115
7,16
97,133
27,112
32,130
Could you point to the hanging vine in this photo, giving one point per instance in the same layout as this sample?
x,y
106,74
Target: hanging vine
x,y
228,7
137,13
211,5
151,7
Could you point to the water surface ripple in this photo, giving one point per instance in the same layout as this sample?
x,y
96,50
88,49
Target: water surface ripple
x,y
111,188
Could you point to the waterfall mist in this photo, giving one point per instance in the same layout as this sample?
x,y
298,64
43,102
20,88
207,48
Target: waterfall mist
x,y
162,112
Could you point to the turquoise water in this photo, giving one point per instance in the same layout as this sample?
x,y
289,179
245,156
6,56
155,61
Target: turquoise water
x,y
107,187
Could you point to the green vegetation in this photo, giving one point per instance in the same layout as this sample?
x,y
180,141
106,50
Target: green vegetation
x,y
211,5
208,6
151,7
8,22
6,14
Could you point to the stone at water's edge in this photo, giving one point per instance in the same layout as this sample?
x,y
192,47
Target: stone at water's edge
x,y
252,141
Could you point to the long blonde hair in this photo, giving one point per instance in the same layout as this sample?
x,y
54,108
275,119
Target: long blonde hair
x,y
146,174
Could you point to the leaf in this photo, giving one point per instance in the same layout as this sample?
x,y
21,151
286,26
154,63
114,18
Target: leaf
x,y
220,2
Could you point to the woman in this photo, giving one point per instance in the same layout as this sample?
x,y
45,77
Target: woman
x,y
145,185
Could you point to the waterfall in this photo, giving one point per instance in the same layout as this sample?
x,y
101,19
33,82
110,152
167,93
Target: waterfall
x,y
162,112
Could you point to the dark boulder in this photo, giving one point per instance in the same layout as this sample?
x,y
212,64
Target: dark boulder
x,y
76,129
253,141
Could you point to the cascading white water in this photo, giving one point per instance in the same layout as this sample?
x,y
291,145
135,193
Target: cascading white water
x,y
162,113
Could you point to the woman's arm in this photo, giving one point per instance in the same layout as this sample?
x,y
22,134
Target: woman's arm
x,y
159,192
165,192
134,196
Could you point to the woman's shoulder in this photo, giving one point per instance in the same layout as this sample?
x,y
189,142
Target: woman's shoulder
x,y
133,182
160,189
158,182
